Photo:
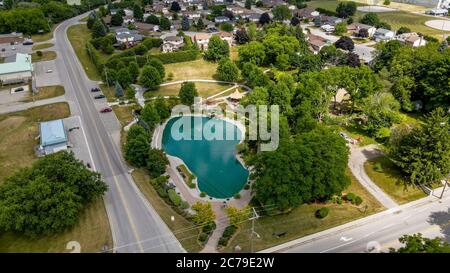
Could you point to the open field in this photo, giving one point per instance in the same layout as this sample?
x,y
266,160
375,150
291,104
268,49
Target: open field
x,y
389,178
108,91
185,231
124,114
46,92
395,5
46,56
204,89
198,69
78,36
18,132
37,38
42,46
302,221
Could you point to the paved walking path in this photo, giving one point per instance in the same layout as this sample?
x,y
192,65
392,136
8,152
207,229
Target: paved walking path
x,y
27,105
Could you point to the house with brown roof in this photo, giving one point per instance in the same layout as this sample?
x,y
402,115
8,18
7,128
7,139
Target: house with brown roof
x,y
144,28
355,28
411,39
202,40
227,37
172,43
316,42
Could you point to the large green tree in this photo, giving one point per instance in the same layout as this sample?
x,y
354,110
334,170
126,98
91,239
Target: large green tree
x,y
417,244
156,162
150,115
187,93
227,70
150,77
217,49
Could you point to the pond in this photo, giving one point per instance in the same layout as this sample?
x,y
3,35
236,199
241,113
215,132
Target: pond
x,y
212,160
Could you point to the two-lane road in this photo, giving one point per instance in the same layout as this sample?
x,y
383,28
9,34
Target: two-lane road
x,y
135,225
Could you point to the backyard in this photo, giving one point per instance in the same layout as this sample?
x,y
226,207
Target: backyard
x,y
198,69
388,177
302,221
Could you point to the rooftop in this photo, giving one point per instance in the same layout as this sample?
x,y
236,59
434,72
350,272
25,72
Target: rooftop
x,y
52,132
20,63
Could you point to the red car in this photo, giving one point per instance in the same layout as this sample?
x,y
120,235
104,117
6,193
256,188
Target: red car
x,y
106,110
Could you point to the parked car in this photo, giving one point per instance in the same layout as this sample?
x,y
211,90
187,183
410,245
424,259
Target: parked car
x,y
101,96
20,89
95,89
27,42
3,49
49,71
106,110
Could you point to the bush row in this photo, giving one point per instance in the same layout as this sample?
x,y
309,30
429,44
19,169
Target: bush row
x,y
226,235
179,56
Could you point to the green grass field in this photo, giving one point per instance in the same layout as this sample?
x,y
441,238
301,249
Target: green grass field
x,y
302,221
46,56
46,92
42,46
391,181
198,69
204,89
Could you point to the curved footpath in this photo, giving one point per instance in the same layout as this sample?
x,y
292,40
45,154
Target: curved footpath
x,y
135,225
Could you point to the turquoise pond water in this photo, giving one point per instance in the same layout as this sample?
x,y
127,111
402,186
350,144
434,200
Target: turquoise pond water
x,y
214,162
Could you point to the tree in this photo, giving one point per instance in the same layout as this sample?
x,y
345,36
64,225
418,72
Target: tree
x,y
124,77
217,49
363,33
133,71
136,150
310,167
371,19
185,23
417,244
385,53
226,27
248,4
47,197
130,93
162,108
423,153
118,89
264,19
204,213
402,30
295,21
150,115
346,9
137,130
138,13
187,93
331,55
241,36
353,59
200,25
345,43
98,29
152,19
381,110
156,163
150,77
258,96
156,63
227,70
340,28
252,52
251,29
281,12
253,75
238,216
116,20
175,7
307,61
164,23
387,2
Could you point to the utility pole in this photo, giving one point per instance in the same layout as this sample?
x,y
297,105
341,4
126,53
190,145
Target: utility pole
x,y
254,217
445,185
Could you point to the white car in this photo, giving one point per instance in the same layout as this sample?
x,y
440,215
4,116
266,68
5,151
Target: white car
x,y
49,71
327,28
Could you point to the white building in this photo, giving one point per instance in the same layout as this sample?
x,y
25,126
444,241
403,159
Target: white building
x,y
411,39
172,43
16,68
382,34
202,40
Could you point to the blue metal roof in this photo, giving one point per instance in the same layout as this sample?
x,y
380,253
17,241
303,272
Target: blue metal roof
x,y
52,132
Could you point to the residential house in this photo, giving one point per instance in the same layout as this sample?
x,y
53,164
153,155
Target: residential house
x,y
127,36
172,43
192,15
382,34
236,10
356,27
145,28
411,39
226,36
272,3
202,40
128,12
221,19
331,20
128,20
252,17
107,20
316,42
307,13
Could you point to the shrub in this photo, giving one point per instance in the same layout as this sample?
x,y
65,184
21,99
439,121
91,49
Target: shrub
x,y
209,228
39,53
350,197
203,237
184,205
237,196
358,200
161,191
322,212
247,187
176,57
174,197
339,200
203,194
192,185
227,234
377,167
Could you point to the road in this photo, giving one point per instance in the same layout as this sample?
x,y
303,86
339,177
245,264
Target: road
x,y
429,216
135,225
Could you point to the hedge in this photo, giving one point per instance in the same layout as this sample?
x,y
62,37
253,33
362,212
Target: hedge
x,y
174,197
152,42
94,55
177,57
226,235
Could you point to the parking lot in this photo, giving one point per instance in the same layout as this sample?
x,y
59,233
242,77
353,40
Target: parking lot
x,y
46,73
77,139
7,49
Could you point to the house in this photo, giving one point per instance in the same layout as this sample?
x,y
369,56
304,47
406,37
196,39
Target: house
x,y
14,37
327,28
331,20
307,13
107,20
253,17
202,40
128,12
236,10
172,43
113,11
356,27
437,12
272,3
145,28
411,39
382,34
128,20
221,19
316,42
16,68
192,14
226,36
53,136
127,36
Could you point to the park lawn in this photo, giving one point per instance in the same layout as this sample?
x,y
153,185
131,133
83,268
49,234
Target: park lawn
x,y
301,221
204,89
390,180
124,114
18,132
46,92
92,232
78,36
198,69
109,92
185,231
42,46
46,56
